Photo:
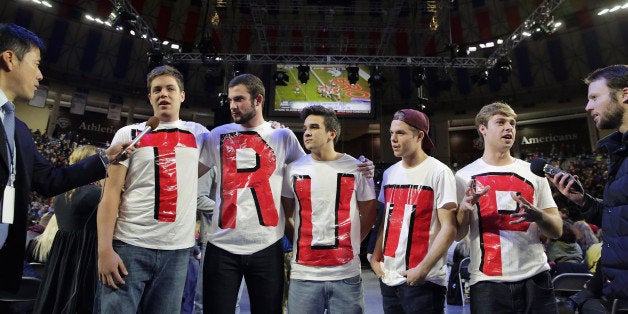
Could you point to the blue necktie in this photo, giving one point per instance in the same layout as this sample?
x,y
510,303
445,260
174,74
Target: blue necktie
x,y
9,124
9,128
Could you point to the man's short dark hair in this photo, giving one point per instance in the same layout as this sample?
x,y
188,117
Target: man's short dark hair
x,y
329,115
18,39
252,83
616,76
165,70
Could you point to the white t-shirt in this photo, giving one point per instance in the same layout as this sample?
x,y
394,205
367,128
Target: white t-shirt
x,y
158,205
326,217
499,251
412,197
249,173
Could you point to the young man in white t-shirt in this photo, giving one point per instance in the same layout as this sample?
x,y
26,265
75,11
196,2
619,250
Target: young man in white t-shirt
x,y
333,213
147,215
248,223
419,193
504,208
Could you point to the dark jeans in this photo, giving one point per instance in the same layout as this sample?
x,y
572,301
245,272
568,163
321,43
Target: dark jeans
x,y
222,275
426,298
532,295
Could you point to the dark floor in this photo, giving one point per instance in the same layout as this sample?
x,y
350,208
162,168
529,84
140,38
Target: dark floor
x,y
372,297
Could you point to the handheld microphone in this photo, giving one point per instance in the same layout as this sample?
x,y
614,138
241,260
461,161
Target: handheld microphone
x,y
540,167
151,124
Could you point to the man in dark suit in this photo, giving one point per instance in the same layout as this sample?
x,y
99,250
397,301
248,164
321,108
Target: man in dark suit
x,y
22,168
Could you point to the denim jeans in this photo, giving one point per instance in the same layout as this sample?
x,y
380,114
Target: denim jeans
x,y
198,298
426,298
337,296
154,284
222,277
532,295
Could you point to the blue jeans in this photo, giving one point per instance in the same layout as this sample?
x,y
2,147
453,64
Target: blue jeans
x,y
532,295
426,298
222,276
198,298
338,296
154,284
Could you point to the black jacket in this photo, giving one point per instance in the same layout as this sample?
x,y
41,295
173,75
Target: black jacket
x,y
34,173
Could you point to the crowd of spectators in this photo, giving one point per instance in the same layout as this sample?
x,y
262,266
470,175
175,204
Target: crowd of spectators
x,y
57,150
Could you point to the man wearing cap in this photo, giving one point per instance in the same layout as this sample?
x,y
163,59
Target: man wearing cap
x,y
504,208
419,193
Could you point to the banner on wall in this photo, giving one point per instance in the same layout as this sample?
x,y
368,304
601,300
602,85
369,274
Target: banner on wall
x,y
549,139
93,126
78,103
115,108
41,93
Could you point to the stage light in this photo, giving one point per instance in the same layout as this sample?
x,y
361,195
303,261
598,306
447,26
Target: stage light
x,y
281,78
304,73
239,68
215,72
121,19
377,79
418,76
504,68
353,74
463,51
223,100
423,104
155,58
480,78
206,46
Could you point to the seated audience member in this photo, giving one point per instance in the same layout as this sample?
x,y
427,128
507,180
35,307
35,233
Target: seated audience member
x,y
592,256
38,248
584,235
565,248
565,255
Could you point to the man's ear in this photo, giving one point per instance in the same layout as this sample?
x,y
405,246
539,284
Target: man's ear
x,y
482,129
6,60
624,95
421,136
333,135
259,99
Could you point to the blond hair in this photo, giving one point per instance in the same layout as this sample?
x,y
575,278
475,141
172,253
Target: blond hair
x,y
43,242
77,155
490,110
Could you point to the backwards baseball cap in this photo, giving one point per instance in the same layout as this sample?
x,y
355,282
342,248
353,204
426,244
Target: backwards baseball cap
x,y
418,120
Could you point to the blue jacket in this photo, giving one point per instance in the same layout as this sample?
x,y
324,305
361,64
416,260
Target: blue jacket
x,y
612,213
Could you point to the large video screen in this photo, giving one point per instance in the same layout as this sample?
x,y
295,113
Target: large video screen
x,y
328,85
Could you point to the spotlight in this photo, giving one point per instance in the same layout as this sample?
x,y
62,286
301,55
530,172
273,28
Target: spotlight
x,y
353,75
418,76
481,78
377,78
423,104
281,78
463,51
453,51
223,100
239,68
121,19
304,73
214,74
155,58
503,68
206,46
